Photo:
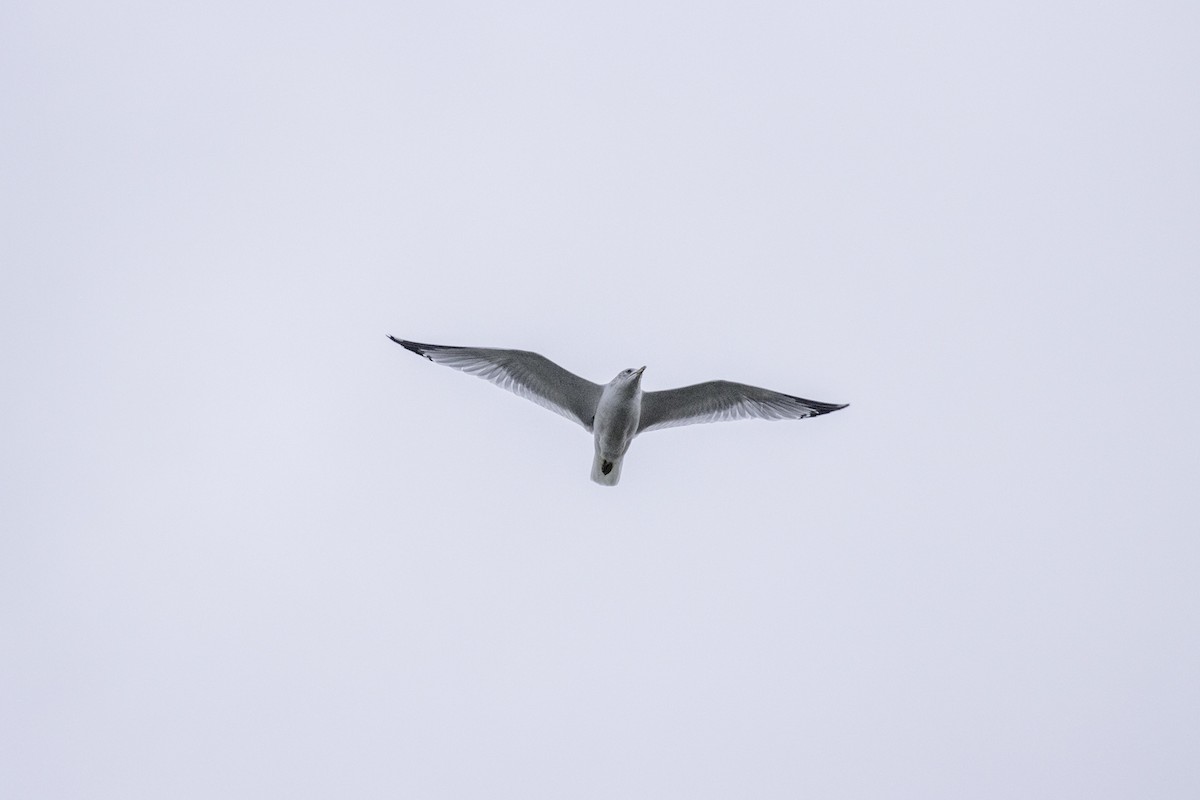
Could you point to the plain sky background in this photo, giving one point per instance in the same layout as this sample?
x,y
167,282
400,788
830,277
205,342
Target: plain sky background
x,y
249,548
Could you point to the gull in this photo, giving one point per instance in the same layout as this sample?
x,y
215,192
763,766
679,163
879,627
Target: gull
x,y
618,411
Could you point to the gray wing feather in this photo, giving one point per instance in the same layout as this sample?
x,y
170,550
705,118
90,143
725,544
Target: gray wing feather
x,y
716,401
521,372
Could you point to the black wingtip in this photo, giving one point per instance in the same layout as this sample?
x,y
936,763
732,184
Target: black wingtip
x,y
818,407
414,347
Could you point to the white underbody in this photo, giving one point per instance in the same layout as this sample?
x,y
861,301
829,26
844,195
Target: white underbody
x,y
614,427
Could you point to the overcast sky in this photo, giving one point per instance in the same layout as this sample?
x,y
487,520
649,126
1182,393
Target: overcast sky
x,y
249,548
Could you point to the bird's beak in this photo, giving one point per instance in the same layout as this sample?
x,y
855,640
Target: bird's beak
x,y
639,370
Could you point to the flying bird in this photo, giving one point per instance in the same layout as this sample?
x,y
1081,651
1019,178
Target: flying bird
x,y
616,412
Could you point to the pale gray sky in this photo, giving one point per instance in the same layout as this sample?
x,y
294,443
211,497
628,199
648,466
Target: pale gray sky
x,y
250,548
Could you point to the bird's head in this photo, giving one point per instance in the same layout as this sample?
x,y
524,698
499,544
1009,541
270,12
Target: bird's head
x,y
629,377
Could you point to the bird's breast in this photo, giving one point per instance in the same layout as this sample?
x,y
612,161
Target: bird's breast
x,y
616,420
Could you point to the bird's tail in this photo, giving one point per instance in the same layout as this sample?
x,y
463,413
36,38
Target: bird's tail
x,y
606,472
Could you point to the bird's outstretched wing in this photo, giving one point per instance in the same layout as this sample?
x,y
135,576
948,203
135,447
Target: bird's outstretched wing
x,y
520,372
716,401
